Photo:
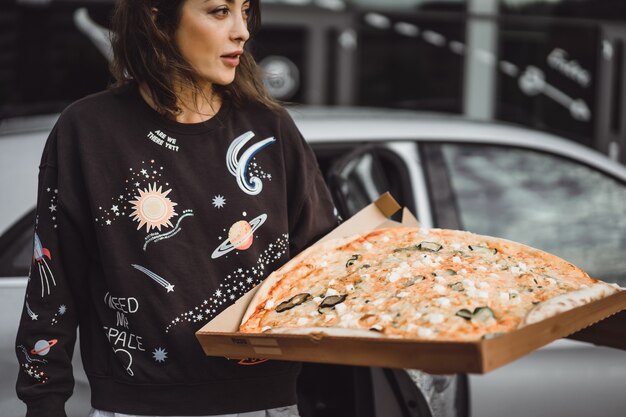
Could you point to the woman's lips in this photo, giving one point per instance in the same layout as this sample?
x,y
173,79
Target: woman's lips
x,y
232,60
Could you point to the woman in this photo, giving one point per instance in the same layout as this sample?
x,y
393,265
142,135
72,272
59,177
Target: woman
x,y
162,201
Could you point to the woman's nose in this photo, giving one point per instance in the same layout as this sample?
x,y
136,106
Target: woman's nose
x,y
240,28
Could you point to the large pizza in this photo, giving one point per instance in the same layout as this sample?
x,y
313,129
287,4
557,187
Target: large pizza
x,y
414,283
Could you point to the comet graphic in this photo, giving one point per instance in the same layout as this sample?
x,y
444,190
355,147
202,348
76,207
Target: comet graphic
x,y
238,166
169,287
32,315
45,274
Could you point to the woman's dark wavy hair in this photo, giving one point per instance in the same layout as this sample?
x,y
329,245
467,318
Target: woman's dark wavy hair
x,y
145,51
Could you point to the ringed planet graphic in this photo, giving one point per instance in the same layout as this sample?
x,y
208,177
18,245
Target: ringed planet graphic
x,y
42,347
240,236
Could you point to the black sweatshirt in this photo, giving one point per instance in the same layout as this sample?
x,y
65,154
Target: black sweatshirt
x,y
146,230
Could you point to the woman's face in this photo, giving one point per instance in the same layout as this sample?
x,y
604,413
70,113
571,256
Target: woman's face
x,y
211,35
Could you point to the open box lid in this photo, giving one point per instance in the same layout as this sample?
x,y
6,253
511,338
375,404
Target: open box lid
x,y
374,216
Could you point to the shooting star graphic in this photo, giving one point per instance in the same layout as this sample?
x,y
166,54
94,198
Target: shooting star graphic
x,y
169,287
32,315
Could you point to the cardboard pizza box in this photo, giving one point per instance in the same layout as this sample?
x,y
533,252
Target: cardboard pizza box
x,y
220,337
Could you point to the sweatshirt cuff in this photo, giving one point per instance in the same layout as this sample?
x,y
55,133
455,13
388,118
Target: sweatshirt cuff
x,y
50,406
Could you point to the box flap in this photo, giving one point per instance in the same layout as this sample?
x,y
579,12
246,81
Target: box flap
x,y
368,218
229,319
408,219
387,205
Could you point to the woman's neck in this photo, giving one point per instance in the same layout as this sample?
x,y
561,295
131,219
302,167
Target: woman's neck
x,y
194,108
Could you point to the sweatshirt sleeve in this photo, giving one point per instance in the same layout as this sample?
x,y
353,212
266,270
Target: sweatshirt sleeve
x,y
47,330
311,211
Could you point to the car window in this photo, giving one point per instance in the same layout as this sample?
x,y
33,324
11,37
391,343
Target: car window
x,y
543,200
359,177
16,247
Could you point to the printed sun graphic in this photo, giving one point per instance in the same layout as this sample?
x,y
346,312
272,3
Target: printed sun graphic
x,y
153,208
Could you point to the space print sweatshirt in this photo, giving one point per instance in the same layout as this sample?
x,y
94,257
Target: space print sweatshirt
x,y
147,229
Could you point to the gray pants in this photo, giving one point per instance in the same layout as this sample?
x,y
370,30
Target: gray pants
x,y
291,411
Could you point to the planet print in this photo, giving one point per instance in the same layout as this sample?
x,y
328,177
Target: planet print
x,y
42,347
240,236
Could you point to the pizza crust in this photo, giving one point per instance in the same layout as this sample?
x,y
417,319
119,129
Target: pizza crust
x,y
328,331
565,302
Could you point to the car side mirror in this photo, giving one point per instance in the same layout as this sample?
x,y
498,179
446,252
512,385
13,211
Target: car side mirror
x,y
357,179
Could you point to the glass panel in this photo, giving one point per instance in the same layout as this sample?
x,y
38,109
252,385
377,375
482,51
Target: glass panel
x,y
15,259
544,201
46,61
415,4
405,61
547,77
578,9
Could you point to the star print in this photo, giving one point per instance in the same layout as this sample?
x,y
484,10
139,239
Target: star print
x,y
170,288
62,309
52,207
136,184
159,355
108,222
48,189
144,172
114,208
218,293
219,201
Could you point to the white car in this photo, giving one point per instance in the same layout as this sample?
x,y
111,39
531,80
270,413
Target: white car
x,y
488,178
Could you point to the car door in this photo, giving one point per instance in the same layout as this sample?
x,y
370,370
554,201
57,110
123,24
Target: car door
x,y
357,178
557,204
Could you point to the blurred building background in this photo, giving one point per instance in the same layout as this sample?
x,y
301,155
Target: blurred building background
x,y
554,65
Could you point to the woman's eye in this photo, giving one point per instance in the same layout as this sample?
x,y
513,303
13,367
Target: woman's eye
x,y
220,12
246,13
